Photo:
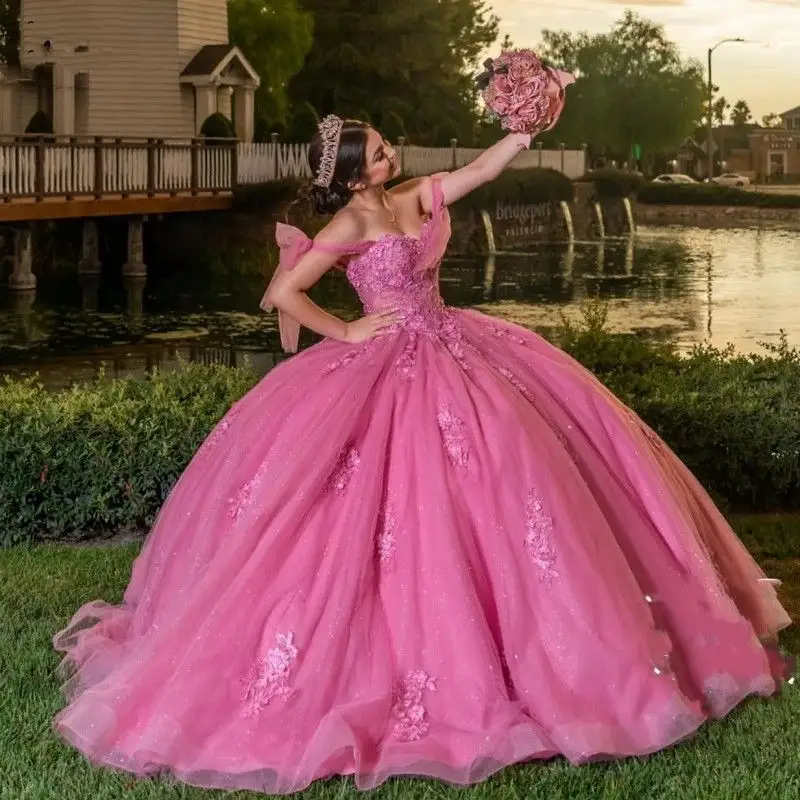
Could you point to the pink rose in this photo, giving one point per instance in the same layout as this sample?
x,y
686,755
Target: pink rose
x,y
527,96
501,84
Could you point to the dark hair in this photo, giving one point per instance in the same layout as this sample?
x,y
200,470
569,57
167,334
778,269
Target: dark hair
x,y
350,162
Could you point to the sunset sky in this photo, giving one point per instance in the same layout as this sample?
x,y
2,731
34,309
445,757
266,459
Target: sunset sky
x,y
764,71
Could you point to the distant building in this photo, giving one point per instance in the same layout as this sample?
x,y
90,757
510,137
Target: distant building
x,y
791,119
762,154
775,154
148,68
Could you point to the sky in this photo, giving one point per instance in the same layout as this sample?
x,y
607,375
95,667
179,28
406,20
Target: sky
x,y
764,71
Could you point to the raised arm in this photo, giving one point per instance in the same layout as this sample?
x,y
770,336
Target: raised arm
x,y
486,167
287,291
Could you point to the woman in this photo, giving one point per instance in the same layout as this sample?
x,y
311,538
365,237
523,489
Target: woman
x,y
431,544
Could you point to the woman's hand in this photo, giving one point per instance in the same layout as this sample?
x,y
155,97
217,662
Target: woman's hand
x,y
366,328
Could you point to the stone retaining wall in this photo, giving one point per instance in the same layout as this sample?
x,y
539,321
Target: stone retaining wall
x,y
717,216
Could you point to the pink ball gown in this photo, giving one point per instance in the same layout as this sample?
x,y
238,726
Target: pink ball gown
x,y
441,552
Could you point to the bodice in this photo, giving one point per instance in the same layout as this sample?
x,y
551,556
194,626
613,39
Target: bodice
x,y
395,272
387,276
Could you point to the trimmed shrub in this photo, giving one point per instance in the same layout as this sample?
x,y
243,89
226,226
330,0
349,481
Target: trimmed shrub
x,y
704,194
274,196
613,184
525,186
217,126
40,124
104,456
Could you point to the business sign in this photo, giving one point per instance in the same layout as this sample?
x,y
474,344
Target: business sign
x,y
520,224
779,141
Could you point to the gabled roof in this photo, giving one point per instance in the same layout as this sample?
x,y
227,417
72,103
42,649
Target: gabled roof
x,y
213,59
791,112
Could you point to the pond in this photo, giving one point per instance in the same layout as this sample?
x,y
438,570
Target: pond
x,y
690,285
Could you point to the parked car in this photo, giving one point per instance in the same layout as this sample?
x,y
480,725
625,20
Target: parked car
x,y
732,179
674,177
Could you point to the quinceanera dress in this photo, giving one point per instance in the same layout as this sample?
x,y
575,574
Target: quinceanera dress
x,y
440,552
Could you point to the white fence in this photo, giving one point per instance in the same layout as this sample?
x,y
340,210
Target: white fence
x,y
261,163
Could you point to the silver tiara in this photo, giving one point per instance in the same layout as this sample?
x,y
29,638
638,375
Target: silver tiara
x,y
330,130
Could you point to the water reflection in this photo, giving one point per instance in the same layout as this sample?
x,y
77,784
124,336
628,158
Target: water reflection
x,y
687,284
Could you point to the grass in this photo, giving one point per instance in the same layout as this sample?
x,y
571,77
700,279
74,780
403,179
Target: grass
x,y
754,753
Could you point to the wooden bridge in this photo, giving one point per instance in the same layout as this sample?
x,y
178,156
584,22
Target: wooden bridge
x,y
56,178
52,178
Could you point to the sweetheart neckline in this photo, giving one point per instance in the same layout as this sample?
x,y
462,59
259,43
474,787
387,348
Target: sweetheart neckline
x,y
403,234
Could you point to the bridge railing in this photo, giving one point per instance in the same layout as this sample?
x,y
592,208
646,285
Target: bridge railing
x,y
40,168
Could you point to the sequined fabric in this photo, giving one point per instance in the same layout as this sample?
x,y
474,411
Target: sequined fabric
x,y
440,552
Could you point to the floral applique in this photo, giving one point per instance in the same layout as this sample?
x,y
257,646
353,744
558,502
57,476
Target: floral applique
x,y
222,427
349,357
407,363
408,710
386,539
349,463
341,362
453,339
455,440
505,333
269,678
539,539
237,505
514,381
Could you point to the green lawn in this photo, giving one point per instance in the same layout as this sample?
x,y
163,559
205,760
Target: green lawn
x,y
755,753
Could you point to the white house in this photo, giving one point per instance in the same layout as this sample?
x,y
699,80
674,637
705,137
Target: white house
x,y
127,68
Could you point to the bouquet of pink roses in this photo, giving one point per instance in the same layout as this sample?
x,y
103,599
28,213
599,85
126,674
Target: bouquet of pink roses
x,y
523,92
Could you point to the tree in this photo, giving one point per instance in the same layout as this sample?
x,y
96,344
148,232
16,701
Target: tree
x,y
375,59
9,32
632,88
741,114
772,121
719,110
275,36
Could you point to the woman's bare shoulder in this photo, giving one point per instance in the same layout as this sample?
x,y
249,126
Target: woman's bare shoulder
x,y
420,189
344,227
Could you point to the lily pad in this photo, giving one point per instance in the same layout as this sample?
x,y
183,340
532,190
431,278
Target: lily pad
x,y
186,333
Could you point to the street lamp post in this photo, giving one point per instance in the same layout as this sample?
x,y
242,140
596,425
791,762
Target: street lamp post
x,y
710,142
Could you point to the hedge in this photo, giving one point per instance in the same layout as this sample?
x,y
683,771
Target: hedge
x,y
703,194
102,457
613,184
524,186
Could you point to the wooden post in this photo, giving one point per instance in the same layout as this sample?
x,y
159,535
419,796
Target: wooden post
x,y
38,179
273,137
195,176
99,176
401,146
151,167
454,148
72,171
539,151
234,182
561,146
22,278
121,185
